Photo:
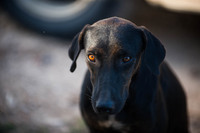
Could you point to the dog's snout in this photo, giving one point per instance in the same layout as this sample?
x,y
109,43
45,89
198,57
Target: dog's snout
x,y
104,107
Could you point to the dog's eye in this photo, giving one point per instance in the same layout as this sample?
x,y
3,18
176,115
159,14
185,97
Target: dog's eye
x,y
91,58
126,59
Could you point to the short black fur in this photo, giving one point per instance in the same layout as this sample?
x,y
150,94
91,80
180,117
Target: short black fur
x,y
141,95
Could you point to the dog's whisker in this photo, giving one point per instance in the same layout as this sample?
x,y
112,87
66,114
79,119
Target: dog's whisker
x,y
90,91
88,96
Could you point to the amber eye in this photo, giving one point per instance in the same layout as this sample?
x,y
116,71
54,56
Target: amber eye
x,y
126,59
91,58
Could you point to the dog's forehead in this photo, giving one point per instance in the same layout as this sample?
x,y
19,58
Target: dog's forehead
x,y
113,20
113,33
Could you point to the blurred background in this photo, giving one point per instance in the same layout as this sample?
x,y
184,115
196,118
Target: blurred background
x,y
37,91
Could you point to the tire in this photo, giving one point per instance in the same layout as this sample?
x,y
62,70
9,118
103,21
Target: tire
x,y
63,18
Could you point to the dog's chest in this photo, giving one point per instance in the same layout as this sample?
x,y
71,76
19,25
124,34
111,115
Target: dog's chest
x,y
113,123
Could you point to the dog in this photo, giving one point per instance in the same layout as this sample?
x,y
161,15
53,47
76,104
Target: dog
x,y
128,88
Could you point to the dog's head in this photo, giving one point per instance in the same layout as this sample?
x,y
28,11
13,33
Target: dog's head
x,y
114,49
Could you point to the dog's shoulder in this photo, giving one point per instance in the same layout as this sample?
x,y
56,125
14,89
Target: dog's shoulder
x,y
170,84
168,77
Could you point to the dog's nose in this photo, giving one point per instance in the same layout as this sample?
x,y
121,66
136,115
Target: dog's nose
x,y
105,107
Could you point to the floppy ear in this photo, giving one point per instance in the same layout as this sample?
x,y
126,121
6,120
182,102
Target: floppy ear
x,y
154,52
76,47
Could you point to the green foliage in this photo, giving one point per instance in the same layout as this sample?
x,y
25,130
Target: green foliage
x,y
79,127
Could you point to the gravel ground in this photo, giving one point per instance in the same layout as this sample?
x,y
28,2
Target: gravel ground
x,y
39,94
36,87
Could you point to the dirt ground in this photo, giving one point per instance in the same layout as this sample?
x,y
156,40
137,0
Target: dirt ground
x,y
39,94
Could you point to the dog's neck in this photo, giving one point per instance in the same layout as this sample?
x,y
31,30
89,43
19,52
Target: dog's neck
x,y
143,80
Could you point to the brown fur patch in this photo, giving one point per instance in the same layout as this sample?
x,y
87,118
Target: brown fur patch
x,y
113,50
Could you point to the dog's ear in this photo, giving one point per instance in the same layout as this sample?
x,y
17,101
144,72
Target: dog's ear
x,y
76,46
154,52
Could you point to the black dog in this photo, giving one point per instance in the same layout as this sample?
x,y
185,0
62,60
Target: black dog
x,y
128,88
